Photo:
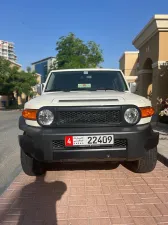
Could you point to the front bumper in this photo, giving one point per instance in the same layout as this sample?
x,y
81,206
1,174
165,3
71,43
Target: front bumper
x,y
47,144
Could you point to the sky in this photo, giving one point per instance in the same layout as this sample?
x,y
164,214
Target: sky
x,y
36,25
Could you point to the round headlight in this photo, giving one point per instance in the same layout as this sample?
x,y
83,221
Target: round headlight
x,y
45,117
131,115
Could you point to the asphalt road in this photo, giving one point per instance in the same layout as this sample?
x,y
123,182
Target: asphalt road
x,y
9,148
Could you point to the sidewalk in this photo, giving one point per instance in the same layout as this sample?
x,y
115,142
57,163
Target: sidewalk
x,y
163,142
84,196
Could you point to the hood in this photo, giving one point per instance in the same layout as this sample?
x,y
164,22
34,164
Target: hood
x,y
85,98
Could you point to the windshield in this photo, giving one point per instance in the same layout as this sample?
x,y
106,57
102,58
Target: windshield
x,y
86,80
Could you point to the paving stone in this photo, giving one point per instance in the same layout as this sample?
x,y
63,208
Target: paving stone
x,y
98,197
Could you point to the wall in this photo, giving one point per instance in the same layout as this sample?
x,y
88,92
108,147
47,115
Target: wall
x,y
122,63
38,78
128,63
14,65
149,50
163,46
131,64
41,68
3,98
144,83
157,50
50,62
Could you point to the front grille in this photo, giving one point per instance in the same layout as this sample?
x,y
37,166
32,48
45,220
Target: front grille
x,y
89,117
118,143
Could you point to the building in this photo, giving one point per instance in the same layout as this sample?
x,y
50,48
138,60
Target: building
x,y
43,66
128,63
152,44
14,64
7,50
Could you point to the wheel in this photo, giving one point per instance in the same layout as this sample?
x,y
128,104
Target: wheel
x,y
31,166
145,164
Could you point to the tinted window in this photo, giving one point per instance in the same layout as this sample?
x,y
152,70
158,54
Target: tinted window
x,y
82,80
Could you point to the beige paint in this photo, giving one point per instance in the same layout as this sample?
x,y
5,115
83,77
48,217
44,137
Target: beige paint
x,y
158,23
13,64
144,83
38,78
122,63
152,43
128,63
149,50
163,46
131,79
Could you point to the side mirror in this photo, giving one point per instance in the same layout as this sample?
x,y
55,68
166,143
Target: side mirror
x,y
40,88
133,87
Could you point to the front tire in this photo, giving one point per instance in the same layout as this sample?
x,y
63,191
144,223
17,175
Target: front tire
x,y
146,164
30,166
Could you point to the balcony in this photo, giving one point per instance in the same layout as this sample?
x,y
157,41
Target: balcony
x,y
10,49
11,53
5,56
4,48
11,56
4,53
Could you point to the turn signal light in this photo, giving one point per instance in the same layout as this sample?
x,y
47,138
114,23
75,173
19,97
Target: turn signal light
x,y
147,112
30,114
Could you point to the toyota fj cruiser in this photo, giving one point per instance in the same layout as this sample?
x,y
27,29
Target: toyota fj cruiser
x,y
87,115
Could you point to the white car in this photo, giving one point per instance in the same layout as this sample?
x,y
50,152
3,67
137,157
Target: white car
x,y
87,115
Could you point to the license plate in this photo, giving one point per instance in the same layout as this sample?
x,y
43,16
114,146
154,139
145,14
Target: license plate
x,y
89,140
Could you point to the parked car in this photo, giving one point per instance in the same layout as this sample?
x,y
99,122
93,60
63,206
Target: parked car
x,y
87,115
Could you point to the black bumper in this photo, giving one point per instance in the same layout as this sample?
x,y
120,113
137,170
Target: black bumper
x,y
40,142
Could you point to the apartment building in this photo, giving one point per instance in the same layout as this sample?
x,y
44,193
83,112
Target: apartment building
x,y
7,50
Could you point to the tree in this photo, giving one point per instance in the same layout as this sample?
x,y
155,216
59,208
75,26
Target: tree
x,y
14,81
53,66
28,69
5,72
24,83
74,53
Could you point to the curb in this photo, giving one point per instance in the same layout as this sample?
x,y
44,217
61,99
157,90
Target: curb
x,y
161,125
162,159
